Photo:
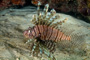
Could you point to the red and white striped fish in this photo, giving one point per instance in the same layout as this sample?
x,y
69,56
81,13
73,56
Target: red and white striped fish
x,y
45,31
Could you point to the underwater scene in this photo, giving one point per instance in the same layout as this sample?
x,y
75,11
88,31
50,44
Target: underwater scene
x,y
44,29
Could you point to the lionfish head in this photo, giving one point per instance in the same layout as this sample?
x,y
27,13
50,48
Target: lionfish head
x,y
28,33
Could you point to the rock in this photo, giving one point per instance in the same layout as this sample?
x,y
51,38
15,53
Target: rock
x,y
12,41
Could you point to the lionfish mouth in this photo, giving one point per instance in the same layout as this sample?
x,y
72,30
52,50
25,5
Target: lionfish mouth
x,y
26,34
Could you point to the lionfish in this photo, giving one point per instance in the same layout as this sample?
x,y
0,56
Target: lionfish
x,y
44,35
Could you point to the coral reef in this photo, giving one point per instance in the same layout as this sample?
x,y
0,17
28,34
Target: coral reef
x,y
83,7
7,3
80,6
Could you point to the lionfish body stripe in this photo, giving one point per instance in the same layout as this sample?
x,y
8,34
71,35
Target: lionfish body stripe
x,y
45,32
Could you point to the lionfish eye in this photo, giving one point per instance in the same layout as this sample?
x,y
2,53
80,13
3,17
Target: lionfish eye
x,y
29,28
29,31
